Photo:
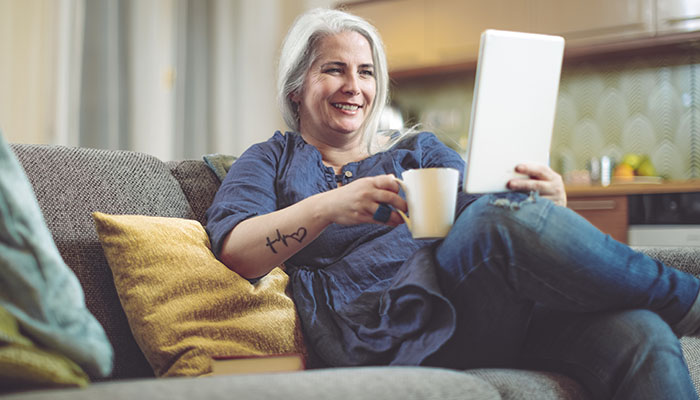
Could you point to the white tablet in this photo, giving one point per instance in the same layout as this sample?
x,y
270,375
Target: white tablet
x,y
515,95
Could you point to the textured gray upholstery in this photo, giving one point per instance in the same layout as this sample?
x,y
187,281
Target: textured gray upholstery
x,y
531,385
684,258
198,183
336,384
71,183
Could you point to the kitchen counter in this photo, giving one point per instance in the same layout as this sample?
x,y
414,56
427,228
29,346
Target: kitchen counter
x,y
607,208
633,188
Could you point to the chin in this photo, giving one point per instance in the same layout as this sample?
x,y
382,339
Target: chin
x,y
347,131
347,128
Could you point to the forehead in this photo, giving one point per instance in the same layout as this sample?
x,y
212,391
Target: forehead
x,y
345,46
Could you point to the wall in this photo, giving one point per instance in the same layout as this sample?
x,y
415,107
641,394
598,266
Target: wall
x,y
26,114
647,105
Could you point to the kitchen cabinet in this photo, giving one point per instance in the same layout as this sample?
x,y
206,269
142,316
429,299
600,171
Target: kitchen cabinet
x,y
674,16
607,213
453,29
424,34
607,207
591,21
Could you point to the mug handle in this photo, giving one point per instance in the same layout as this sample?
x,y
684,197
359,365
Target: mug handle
x,y
405,217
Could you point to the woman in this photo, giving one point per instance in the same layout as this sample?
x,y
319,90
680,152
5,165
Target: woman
x,y
529,284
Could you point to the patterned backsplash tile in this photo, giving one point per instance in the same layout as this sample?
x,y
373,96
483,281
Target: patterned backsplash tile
x,y
645,105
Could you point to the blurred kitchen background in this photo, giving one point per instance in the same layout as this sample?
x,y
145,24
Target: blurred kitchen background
x,y
182,78
630,80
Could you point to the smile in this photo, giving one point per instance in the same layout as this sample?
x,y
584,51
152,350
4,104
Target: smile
x,y
346,107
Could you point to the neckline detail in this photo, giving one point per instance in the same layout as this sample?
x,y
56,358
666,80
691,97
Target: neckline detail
x,y
319,157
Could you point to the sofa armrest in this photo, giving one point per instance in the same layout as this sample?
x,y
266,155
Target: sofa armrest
x,y
684,258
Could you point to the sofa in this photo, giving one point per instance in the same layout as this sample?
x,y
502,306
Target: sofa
x,y
71,183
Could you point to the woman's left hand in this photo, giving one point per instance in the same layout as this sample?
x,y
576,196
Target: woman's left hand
x,y
543,179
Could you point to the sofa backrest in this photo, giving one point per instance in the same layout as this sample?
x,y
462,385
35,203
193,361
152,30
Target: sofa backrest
x,y
198,183
71,183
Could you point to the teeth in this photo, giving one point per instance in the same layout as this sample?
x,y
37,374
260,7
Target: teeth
x,y
346,107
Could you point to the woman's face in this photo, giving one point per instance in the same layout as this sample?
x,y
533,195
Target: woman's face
x,y
339,87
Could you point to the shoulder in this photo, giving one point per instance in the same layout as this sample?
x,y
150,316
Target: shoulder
x,y
419,140
275,147
278,141
431,151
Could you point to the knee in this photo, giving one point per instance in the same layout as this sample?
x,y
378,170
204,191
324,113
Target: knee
x,y
625,354
643,323
643,335
646,357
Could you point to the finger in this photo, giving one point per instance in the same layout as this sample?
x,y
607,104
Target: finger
x,y
529,185
387,182
536,171
391,198
395,219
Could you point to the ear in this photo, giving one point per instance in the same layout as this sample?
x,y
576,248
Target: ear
x,y
295,97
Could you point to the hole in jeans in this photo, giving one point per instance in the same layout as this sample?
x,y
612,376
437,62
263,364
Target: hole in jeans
x,y
507,202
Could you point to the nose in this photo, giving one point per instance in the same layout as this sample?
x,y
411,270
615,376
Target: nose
x,y
352,84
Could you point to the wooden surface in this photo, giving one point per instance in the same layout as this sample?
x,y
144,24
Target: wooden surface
x,y
633,188
607,213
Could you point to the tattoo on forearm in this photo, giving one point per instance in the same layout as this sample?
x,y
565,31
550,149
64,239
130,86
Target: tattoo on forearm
x,y
299,235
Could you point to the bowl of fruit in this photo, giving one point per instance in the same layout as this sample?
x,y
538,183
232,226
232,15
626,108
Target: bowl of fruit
x,y
635,168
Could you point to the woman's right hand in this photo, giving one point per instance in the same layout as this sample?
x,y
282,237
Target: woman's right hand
x,y
356,202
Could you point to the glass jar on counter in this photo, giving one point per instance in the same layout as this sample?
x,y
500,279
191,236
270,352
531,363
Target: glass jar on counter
x,y
601,170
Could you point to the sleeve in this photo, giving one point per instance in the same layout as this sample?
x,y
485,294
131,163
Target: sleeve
x,y
435,153
247,191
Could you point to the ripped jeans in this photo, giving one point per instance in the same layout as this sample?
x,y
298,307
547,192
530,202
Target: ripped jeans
x,y
536,286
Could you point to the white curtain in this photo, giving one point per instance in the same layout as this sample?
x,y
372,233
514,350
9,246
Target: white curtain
x,y
173,78
178,78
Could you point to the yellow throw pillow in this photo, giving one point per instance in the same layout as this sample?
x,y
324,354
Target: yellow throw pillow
x,y
185,306
23,365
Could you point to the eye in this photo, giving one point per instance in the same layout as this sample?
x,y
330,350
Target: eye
x,y
367,72
333,71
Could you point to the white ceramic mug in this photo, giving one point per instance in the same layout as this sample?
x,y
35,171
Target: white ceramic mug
x,y
431,194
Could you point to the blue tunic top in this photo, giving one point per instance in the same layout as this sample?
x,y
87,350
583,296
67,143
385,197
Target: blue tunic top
x,y
366,294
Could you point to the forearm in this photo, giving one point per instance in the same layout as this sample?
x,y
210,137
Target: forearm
x,y
257,245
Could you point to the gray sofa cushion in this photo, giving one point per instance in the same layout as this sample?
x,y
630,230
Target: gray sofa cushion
x,y
403,383
531,385
684,258
71,183
198,183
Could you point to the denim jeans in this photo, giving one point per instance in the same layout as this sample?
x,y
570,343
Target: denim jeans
x,y
536,286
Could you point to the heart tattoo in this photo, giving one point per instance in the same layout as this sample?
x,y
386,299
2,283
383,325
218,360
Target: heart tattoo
x,y
299,235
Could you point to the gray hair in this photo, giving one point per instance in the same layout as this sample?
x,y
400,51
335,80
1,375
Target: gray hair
x,y
299,52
